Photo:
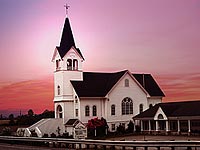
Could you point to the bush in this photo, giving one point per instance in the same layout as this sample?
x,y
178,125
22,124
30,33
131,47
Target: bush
x,y
6,131
45,135
53,135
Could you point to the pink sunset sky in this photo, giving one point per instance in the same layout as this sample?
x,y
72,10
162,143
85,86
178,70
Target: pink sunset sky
x,y
143,36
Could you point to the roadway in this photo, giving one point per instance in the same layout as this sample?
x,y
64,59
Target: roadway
x,y
4,146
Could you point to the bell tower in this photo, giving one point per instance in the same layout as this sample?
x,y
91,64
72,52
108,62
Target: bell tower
x,y
67,59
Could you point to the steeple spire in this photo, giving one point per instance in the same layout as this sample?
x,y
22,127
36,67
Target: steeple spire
x,y
67,39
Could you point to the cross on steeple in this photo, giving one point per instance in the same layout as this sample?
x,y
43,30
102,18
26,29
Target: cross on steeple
x,y
67,7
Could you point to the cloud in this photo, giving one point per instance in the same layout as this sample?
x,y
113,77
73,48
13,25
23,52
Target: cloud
x,y
31,94
180,87
38,94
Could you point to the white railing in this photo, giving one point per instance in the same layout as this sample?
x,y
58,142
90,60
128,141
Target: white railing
x,y
104,144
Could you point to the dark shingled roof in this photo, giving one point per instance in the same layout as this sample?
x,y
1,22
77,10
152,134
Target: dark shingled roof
x,y
173,109
96,84
71,122
67,40
149,84
99,84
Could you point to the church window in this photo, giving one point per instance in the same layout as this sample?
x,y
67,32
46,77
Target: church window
x,y
76,99
160,116
141,108
76,112
57,64
126,83
127,106
87,110
59,111
113,109
69,64
94,110
75,64
58,88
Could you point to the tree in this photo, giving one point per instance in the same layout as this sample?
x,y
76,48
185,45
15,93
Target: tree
x,y
97,127
130,127
30,112
11,118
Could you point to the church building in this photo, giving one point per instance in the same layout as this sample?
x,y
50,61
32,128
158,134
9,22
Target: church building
x,y
116,96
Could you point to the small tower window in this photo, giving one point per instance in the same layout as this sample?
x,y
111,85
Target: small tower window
x,y
87,110
59,111
76,112
94,110
76,99
75,64
126,83
69,64
58,88
141,108
113,109
57,64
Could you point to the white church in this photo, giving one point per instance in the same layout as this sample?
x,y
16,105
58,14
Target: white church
x,y
80,95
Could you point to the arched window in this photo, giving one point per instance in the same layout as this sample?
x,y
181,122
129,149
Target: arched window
x,y
141,108
127,106
75,64
76,99
160,117
87,110
126,83
69,64
94,110
58,89
76,112
150,105
113,109
57,64
59,111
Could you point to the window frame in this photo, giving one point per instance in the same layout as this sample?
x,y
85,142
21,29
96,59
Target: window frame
x,y
94,110
58,89
112,110
126,82
141,108
87,110
127,106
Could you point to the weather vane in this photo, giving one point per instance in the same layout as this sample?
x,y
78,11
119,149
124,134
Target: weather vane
x,y
67,7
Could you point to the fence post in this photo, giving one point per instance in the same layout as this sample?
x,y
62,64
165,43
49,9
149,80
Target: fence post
x,y
123,148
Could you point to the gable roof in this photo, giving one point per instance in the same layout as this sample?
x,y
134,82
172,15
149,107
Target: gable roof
x,y
72,122
67,40
96,84
149,84
173,109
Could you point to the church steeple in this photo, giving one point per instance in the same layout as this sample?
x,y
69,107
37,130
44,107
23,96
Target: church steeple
x,y
67,39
